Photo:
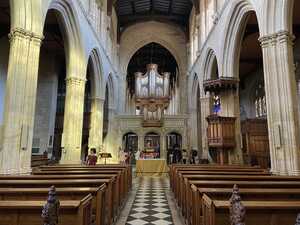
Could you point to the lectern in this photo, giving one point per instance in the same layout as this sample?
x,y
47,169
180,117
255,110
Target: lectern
x,y
105,156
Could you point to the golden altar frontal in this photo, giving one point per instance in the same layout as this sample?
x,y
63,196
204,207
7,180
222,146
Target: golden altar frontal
x,y
151,167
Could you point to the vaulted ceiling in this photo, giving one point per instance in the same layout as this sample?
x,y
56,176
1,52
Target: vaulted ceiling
x,y
169,11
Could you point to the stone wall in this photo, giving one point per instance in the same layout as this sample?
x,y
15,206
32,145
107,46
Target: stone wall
x,y
45,109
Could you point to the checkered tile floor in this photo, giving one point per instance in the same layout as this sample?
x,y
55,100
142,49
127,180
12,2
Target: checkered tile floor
x,y
150,206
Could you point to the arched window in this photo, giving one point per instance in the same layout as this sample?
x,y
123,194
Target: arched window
x,y
260,101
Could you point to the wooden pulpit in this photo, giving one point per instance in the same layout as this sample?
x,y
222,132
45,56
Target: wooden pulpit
x,y
221,136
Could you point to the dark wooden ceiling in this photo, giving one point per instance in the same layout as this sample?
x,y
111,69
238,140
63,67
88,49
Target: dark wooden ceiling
x,y
4,18
170,11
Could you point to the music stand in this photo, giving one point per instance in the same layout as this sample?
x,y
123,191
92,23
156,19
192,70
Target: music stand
x,y
105,155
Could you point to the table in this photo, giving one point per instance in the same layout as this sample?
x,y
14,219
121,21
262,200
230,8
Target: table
x,y
151,167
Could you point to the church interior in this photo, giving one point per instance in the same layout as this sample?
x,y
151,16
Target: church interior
x,y
149,112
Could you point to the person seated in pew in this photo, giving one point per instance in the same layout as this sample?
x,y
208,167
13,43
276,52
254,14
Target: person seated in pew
x,y
92,158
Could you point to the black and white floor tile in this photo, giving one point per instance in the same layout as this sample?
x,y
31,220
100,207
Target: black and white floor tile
x,y
150,206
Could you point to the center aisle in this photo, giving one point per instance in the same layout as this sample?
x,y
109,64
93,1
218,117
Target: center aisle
x,y
151,205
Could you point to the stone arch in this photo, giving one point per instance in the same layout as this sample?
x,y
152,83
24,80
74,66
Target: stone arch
x,y
174,131
111,91
98,88
155,131
143,43
233,38
162,34
195,86
210,65
69,19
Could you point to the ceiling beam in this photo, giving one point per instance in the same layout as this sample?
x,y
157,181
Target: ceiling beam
x,y
170,7
132,6
151,6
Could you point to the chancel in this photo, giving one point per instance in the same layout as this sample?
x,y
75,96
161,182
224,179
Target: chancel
x,y
149,112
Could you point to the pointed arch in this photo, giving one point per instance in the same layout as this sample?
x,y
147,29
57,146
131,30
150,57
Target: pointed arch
x,y
211,66
111,91
240,13
95,63
69,22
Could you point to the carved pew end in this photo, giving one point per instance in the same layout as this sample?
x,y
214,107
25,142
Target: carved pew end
x,y
51,208
237,209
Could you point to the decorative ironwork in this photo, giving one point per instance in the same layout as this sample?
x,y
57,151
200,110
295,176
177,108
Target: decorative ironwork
x,y
237,209
51,209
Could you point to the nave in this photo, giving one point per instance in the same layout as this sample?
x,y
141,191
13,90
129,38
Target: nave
x,y
112,194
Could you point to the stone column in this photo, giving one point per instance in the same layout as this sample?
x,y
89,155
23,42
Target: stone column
x,y
111,142
206,104
20,99
282,107
199,34
193,125
230,107
96,124
73,121
141,141
163,146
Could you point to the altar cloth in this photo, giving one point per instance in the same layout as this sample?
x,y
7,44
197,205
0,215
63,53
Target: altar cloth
x,y
151,167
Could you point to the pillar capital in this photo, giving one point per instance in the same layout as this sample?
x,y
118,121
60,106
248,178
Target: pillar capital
x,y
97,99
25,34
278,37
75,81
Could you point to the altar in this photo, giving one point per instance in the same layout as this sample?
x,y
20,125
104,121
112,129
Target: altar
x,y
151,167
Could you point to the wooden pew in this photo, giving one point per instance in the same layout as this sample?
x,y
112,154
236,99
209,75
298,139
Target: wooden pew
x,y
229,183
174,168
270,212
179,183
71,212
126,170
40,194
117,186
185,184
123,180
67,183
261,194
39,160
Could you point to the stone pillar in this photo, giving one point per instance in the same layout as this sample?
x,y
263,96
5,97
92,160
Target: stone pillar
x,y
163,146
193,124
206,105
111,142
141,142
199,34
96,124
282,107
20,99
73,121
230,107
